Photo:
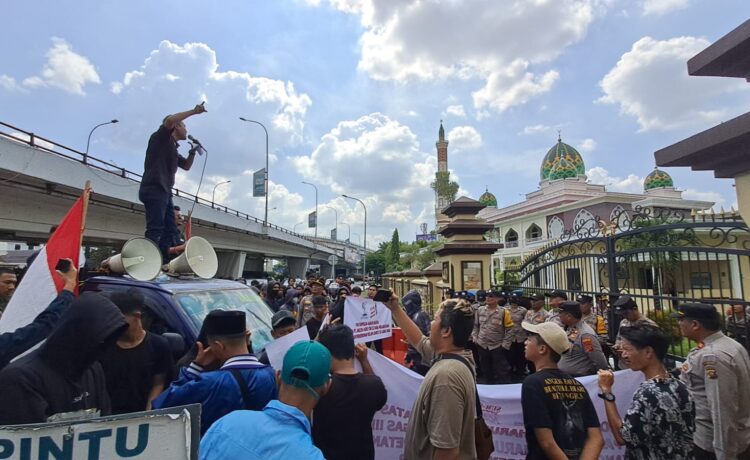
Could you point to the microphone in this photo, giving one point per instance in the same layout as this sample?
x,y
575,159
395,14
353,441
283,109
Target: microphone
x,y
197,143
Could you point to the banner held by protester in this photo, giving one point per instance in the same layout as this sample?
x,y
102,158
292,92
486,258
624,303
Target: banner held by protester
x,y
369,320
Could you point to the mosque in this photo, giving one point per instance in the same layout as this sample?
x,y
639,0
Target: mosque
x,y
566,200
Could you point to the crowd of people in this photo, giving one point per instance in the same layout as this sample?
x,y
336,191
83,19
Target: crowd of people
x,y
100,358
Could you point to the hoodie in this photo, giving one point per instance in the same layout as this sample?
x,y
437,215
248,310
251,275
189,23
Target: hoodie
x,y
412,302
63,375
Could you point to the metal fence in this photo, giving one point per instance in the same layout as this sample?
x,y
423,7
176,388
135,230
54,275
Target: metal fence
x,y
661,258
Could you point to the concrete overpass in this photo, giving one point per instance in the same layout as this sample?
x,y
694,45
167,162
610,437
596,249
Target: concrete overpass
x,y
40,179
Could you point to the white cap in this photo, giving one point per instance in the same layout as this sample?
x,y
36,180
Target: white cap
x,y
552,334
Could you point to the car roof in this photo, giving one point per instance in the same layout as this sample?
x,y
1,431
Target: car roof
x,y
171,285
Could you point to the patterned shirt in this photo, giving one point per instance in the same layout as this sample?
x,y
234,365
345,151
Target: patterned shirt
x,y
660,422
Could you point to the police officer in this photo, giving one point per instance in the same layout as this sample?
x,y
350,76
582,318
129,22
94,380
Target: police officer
x,y
717,373
556,298
597,322
585,356
491,322
631,317
536,314
516,336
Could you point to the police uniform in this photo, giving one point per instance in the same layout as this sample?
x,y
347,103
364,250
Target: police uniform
x,y
515,337
490,329
585,356
717,373
553,315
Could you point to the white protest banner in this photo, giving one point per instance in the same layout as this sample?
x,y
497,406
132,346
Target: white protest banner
x,y
368,319
277,349
501,406
166,434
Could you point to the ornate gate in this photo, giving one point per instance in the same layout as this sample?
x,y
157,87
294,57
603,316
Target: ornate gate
x,y
661,258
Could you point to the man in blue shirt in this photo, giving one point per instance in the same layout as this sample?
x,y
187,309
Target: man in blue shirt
x,y
281,431
241,381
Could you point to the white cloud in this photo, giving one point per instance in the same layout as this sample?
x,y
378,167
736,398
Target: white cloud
x,y
9,83
587,145
630,184
399,42
660,7
378,160
64,69
693,194
650,82
464,138
456,110
535,129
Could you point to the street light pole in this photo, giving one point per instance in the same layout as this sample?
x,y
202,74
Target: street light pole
x,y
349,231
337,220
88,142
265,218
295,226
364,258
213,194
316,206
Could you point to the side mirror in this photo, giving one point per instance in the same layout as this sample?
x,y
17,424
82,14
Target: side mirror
x,y
176,343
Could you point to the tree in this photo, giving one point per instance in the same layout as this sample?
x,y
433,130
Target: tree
x,y
376,260
444,186
393,255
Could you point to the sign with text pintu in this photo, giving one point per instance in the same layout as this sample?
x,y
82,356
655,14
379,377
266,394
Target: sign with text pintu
x,y
165,434
368,319
259,182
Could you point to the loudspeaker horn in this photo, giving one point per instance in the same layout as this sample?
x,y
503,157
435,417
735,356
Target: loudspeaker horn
x,y
199,258
140,258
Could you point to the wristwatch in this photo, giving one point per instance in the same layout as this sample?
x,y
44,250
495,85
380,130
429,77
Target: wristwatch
x,y
607,396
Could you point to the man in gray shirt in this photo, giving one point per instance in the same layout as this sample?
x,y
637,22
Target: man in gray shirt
x,y
585,356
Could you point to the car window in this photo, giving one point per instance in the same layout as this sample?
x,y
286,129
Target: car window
x,y
197,304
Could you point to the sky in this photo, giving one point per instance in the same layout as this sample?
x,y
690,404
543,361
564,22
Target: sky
x,y
353,92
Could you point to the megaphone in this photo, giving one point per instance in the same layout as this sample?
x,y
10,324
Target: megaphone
x,y
199,258
140,258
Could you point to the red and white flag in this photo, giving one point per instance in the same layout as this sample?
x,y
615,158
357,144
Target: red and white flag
x,y
40,285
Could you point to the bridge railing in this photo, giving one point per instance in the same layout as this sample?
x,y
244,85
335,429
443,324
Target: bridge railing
x,y
16,134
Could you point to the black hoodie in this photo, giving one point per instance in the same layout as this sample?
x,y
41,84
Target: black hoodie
x,y
63,375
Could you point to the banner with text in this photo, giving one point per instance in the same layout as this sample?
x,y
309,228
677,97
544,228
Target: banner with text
x,y
501,406
259,183
368,319
312,219
166,434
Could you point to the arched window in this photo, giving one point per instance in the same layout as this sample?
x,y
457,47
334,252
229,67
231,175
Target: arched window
x,y
555,228
511,239
533,233
584,224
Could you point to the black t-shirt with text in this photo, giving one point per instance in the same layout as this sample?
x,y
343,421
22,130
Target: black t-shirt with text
x,y
342,420
553,399
130,372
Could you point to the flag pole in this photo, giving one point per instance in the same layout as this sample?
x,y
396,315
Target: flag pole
x,y
85,205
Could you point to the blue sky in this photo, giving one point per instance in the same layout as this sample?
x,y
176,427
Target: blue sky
x,y
353,91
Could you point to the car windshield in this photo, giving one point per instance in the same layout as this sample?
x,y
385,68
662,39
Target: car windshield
x,y
197,304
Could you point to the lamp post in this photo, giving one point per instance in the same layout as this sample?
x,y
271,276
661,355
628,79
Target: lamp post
x,y
265,218
316,206
337,220
88,142
295,226
364,258
213,194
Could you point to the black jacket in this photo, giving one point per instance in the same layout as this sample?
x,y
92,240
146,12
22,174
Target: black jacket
x,y
63,375
22,339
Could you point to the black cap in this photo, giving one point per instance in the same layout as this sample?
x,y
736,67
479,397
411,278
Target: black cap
x,y
224,323
281,317
570,307
695,311
496,293
535,297
624,302
557,293
584,299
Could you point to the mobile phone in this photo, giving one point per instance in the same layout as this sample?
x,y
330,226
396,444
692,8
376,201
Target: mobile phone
x,y
383,295
63,265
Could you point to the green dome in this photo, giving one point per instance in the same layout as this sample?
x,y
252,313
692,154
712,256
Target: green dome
x,y
657,179
563,168
555,154
488,199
